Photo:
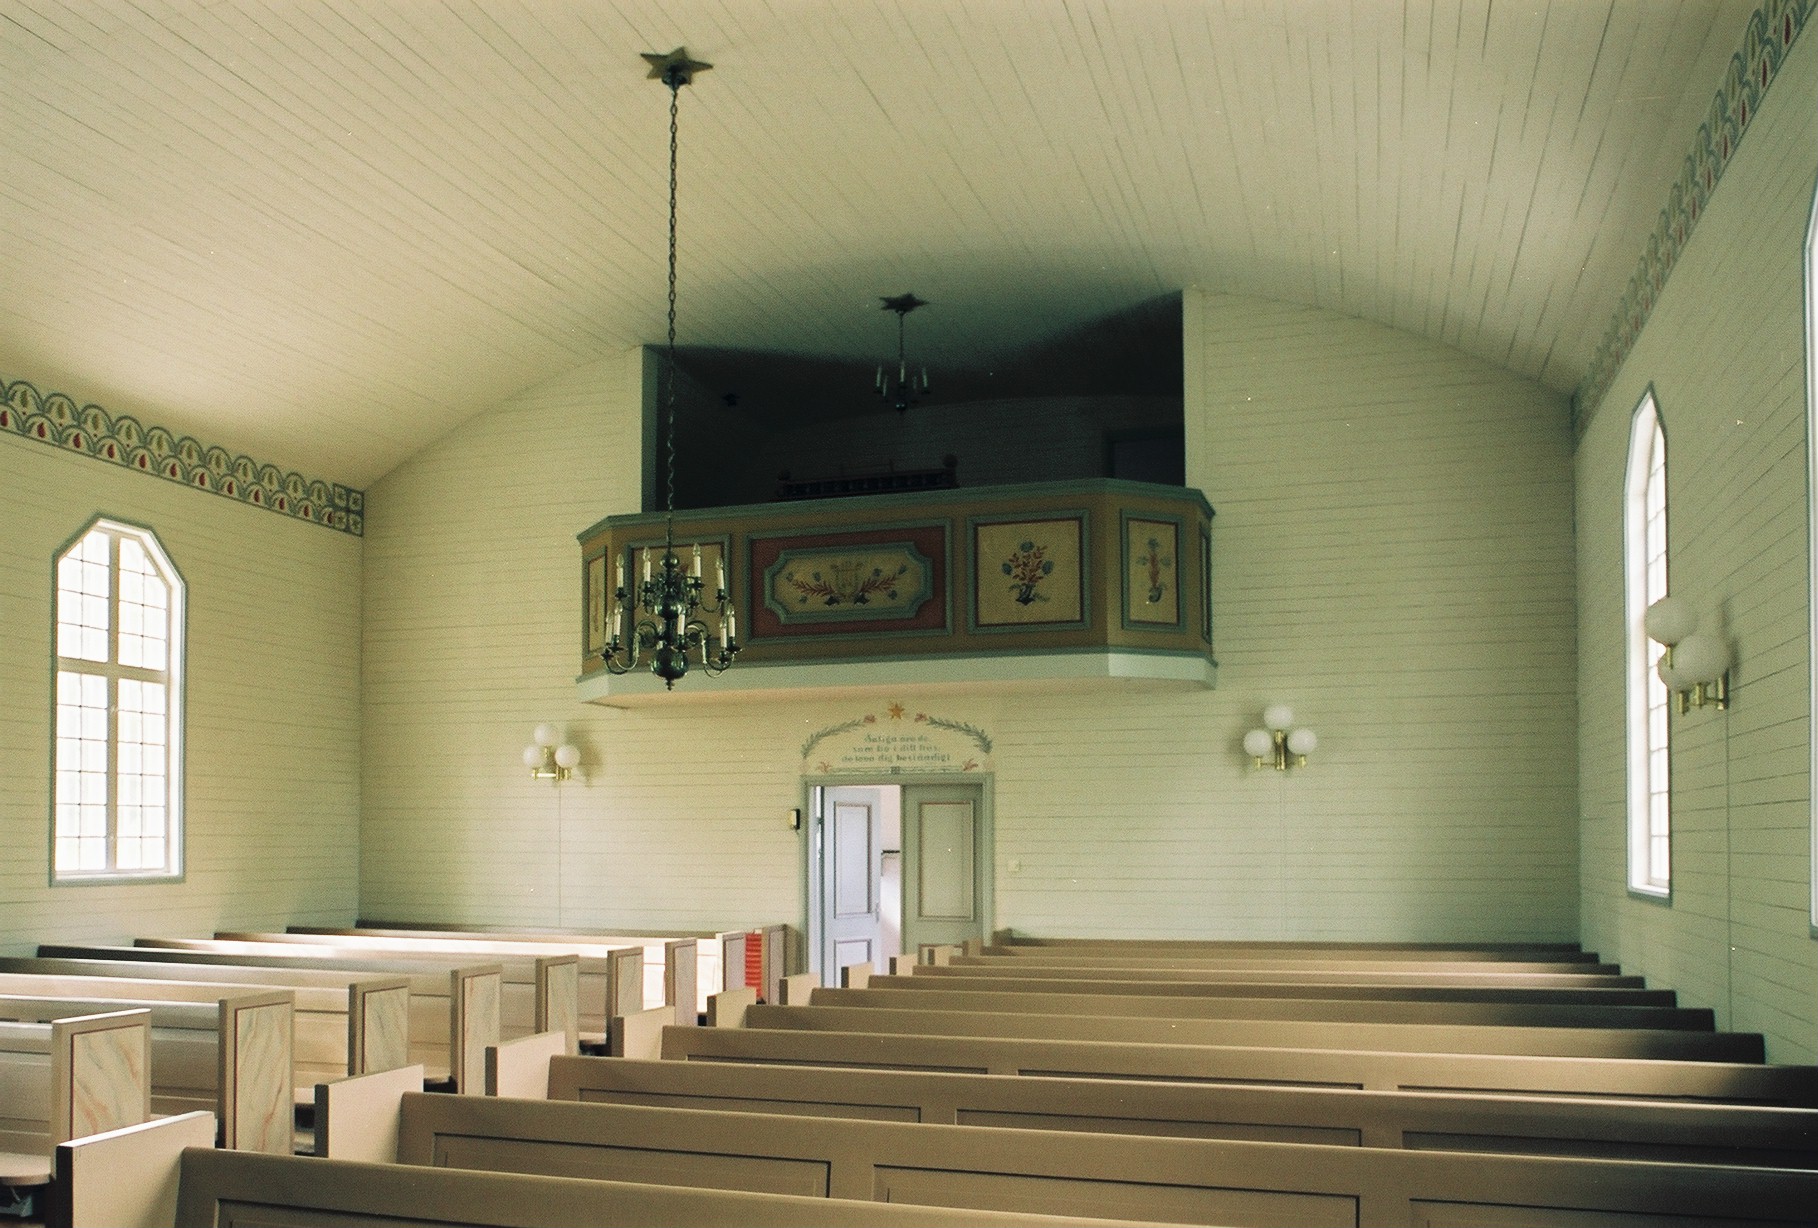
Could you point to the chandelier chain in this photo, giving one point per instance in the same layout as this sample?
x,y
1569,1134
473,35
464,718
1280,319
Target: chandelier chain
x,y
669,374
669,609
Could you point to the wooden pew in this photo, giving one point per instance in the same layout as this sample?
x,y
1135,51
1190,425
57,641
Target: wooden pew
x,y
1297,1033
772,948
226,1053
1366,991
1277,1065
66,1078
606,984
1015,942
455,1011
1610,1128
1138,1177
550,1002
1426,976
679,970
1178,1006
218,1187
1312,962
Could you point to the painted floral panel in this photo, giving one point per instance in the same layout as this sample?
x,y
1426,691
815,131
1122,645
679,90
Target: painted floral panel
x,y
1152,573
1028,573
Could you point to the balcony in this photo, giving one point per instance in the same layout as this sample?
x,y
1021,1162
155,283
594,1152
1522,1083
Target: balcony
x,y
995,586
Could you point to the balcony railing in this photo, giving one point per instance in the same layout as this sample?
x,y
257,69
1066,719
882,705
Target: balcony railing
x,y
1066,580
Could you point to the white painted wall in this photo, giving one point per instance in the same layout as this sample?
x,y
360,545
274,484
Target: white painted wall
x,y
1393,556
272,759
1725,354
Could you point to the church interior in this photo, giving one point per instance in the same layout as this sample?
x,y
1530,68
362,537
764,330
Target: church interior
x,y
1196,479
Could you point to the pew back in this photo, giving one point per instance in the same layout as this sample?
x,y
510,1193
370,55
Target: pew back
x,y
1144,1178
1006,942
1329,985
1044,958
1298,1033
1237,972
1631,1129
219,1187
1180,1006
1716,1082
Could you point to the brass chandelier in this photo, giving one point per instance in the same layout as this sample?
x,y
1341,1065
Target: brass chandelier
x,y
673,604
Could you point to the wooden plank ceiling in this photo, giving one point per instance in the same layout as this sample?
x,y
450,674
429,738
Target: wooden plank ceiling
x,y
323,232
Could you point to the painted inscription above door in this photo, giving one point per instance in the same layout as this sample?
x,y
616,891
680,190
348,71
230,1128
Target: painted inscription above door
x,y
896,741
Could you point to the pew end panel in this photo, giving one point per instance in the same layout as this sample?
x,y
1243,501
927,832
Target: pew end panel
x,y
357,1117
682,979
257,1061
473,1022
756,959
558,998
856,976
100,1073
625,981
125,1178
520,1067
378,1025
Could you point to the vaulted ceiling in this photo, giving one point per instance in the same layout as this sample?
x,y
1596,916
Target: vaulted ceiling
x,y
324,232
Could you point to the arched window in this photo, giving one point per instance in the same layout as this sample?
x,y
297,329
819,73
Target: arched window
x,y
1811,497
1645,582
118,792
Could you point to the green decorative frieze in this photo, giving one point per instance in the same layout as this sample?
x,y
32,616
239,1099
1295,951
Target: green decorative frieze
x,y
1769,35
55,419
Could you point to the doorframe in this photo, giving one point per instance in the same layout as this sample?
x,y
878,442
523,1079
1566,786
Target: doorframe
x,y
811,870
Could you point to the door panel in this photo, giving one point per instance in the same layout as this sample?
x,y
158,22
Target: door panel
x,y
947,834
851,826
946,845
854,853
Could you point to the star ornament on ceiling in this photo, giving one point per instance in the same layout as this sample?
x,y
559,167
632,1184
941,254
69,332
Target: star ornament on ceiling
x,y
673,68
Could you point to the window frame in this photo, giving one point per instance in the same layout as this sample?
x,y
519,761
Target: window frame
x,y
1647,704
173,679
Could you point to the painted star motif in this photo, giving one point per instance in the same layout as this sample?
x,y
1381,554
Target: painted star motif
x,y
673,68
896,712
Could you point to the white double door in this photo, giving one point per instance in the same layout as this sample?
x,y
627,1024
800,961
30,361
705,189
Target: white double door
x,y
894,867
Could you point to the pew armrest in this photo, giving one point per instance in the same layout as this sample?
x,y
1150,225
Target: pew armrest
x,y
125,1177
520,1067
727,1008
639,1035
357,1117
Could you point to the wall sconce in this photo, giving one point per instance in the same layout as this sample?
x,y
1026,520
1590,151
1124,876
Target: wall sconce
x,y
1276,743
545,759
1696,664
